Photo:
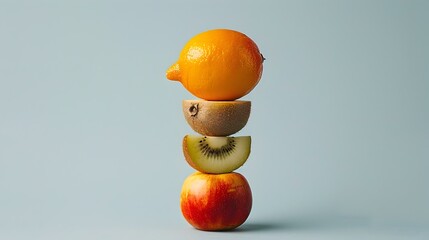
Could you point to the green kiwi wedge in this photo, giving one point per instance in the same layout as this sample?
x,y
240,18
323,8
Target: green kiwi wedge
x,y
216,154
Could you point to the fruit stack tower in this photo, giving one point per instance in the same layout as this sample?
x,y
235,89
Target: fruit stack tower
x,y
219,67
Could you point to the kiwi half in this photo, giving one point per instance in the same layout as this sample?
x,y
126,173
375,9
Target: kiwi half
x,y
216,154
216,118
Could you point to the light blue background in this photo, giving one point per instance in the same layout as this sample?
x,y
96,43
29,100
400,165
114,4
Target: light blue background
x,y
90,129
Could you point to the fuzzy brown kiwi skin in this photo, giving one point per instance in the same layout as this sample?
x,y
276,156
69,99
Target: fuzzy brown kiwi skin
x,y
216,118
187,157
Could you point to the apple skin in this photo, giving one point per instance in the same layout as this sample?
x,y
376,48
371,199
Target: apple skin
x,y
216,202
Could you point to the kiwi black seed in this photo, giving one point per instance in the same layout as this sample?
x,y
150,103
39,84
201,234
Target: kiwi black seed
x,y
217,153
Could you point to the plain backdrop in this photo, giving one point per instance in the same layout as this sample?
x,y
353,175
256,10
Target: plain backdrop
x,y
91,130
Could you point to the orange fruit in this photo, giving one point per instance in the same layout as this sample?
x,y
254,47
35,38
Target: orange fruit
x,y
218,65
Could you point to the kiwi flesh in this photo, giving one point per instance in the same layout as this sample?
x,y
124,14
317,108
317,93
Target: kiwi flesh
x,y
216,118
216,155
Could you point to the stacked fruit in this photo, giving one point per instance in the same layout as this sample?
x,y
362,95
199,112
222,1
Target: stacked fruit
x,y
218,66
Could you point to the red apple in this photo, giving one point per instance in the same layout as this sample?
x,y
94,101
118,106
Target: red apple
x,y
214,202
